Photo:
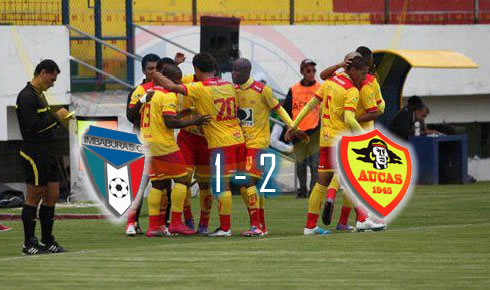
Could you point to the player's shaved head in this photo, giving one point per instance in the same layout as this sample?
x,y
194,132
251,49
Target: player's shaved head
x,y
172,72
241,71
242,64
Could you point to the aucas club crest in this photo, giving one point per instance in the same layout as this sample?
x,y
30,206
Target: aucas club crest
x,y
377,169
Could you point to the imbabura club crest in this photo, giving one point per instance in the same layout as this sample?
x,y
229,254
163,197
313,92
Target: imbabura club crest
x,y
114,162
377,170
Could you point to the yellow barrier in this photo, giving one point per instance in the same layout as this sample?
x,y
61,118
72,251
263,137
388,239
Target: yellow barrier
x,y
162,12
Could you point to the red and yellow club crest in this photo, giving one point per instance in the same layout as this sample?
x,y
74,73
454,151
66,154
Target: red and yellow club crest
x,y
377,169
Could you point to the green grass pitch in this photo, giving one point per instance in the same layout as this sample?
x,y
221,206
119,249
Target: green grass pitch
x,y
441,240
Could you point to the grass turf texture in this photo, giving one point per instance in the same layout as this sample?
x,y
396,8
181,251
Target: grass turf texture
x,y
440,240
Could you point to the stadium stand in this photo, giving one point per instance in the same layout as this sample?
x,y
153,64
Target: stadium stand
x,y
169,12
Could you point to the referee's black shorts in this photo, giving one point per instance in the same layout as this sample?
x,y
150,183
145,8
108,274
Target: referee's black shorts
x,y
40,163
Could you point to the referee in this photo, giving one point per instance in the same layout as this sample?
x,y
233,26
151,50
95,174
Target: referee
x,y
38,125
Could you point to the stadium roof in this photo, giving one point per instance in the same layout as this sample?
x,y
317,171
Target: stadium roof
x,y
432,58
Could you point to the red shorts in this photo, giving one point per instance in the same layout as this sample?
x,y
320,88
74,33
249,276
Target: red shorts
x,y
232,159
328,160
168,166
252,162
195,151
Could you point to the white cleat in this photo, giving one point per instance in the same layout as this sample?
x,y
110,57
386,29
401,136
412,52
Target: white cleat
x,y
131,230
315,231
220,233
369,225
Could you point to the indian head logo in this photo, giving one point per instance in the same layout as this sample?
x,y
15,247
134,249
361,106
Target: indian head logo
x,y
114,161
377,170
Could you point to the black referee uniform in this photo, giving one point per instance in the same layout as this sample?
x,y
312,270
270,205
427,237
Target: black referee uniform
x,y
37,125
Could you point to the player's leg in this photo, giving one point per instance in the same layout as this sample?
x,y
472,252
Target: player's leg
x,y
188,217
232,161
37,166
206,203
179,193
189,146
132,225
29,214
252,199
157,205
175,168
332,189
187,210
169,204
344,215
364,222
252,159
244,195
224,198
263,224
46,216
326,169
203,174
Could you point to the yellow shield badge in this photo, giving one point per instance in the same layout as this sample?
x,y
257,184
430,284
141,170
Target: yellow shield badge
x,y
377,169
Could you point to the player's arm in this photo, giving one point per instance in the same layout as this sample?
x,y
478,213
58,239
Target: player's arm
x,y
330,71
368,96
185,112
283,115
135,109
350,120
350,106
179,58
274,104
380,102
368,116
292,131
310,106
173,122
381,106
168,84
135,104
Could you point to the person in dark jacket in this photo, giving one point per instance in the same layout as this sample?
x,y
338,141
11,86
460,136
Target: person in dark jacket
x,y
403,123
38,124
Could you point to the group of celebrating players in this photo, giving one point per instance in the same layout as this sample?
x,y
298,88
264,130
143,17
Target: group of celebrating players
x,y
205,109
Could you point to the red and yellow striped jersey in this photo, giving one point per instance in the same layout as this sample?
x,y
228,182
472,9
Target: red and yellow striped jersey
x,y
217,98
255,101
159,138
338,94
139,92
368,95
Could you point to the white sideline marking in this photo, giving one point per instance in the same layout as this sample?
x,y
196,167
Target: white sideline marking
x,y
224,240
